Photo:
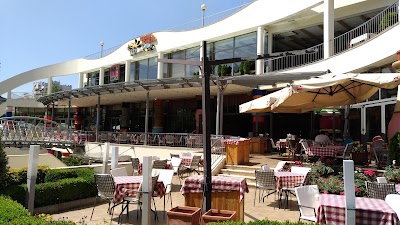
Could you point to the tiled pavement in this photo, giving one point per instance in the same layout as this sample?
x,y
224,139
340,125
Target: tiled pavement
x,y
262,210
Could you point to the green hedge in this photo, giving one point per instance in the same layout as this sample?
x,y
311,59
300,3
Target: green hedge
x,y
59,174
63,190
19,176
261,222
13,213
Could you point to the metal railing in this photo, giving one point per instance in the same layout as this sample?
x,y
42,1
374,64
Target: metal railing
x,y
22,95
359,35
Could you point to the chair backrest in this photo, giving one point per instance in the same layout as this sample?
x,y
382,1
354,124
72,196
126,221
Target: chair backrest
x,y
195,161
166,177
378,145
135,163
280,165
159,164
105,185
381,180
379,190
265,167
305,145
393,201
176,163
307,196
174,155
272,143
154,180
118,172
347,150
265,178
292,144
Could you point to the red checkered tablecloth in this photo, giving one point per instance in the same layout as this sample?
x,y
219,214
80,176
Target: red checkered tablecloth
x,y
368,211
124,183
140,167
325,151
288,179
219,184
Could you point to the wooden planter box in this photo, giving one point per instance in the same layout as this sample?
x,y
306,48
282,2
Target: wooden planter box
x,y
216,215
220,200
184,215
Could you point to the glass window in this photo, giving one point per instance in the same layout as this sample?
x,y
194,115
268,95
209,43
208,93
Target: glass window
x,y
133,71
192,54
152,70
178,70
142,69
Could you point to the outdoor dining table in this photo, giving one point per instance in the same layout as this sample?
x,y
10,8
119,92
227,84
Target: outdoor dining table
x,y
132,183
168,166
288,179
228,193
331,150
332,210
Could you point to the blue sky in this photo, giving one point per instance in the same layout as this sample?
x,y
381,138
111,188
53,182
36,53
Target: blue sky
x,y
43,32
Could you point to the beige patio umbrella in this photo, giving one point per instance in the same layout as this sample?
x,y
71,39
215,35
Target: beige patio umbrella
x,y
325,91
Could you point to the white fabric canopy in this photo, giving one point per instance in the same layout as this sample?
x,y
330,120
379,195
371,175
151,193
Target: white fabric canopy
x,y
325,91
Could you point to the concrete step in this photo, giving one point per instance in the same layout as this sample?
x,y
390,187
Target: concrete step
x,y
239,172
242,167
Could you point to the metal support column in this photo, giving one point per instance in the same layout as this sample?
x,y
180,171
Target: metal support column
x,y
69,118
221,113
98,118
217,116
146,120
206,70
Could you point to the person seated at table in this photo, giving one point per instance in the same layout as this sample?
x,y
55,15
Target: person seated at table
x,y
346,139
323,138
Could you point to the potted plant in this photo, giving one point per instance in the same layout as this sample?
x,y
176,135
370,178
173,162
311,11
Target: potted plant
x,y
392,174
182,215
216,215
358,155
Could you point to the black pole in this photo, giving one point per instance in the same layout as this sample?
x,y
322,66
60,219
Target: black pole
x,y
206,114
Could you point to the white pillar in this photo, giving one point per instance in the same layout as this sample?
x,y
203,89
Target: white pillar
x,y
33,162
49,85
101,76
114,157
383,119
328,28
9,94
348,172
160,66
363,120
260,50
269,49
106,147
127,71
80,81
146,188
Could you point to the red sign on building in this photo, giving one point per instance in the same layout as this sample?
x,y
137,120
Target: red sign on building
x,y
114,73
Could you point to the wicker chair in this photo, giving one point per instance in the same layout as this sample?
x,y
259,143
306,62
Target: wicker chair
x,y
265,181
379,190
105,190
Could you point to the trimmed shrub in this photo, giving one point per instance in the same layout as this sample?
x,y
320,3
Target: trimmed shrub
x,y
13,213
72,161
19,176
63,190
54,175
3,165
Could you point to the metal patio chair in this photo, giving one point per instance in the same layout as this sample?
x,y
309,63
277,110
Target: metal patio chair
x,y
265,181
105,190
379,190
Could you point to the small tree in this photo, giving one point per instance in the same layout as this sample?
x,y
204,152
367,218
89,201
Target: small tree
x,y
55,87
3,165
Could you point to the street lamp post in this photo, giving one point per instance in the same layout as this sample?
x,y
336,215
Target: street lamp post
x,y
203,8
101,52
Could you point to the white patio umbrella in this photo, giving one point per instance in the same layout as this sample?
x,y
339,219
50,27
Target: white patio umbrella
x,y
325,91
